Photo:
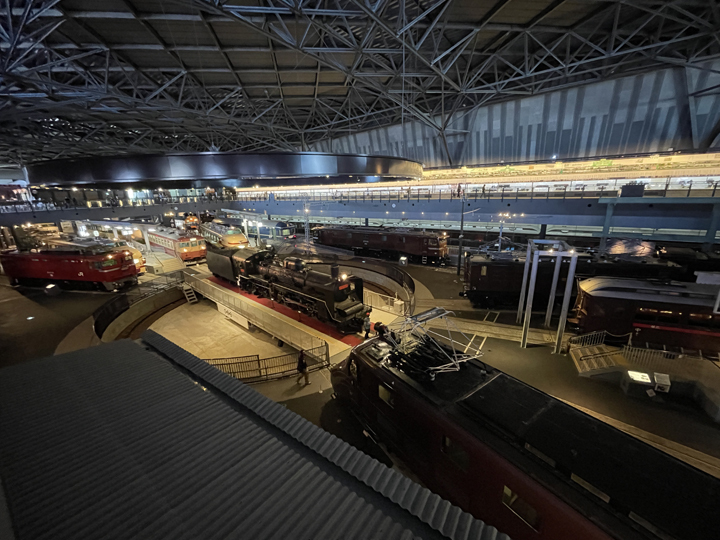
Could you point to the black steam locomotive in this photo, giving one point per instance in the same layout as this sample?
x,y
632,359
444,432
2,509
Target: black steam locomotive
x,y
332,298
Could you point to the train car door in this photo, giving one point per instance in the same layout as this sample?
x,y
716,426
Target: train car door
x,y
366,239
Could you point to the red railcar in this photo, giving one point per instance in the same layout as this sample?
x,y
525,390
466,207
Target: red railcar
x,y
675,314
522,461
419,246
107,269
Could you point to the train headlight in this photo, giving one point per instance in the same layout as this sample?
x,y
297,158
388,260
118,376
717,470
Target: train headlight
x,y
136,261
184,250
344,276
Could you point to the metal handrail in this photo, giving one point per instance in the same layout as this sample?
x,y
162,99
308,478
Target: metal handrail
x,y
255,369
588,340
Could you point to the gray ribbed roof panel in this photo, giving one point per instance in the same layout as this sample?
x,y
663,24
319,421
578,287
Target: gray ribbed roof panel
x,y
116,442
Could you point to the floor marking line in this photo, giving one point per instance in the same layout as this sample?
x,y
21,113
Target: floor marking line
x,y
482,344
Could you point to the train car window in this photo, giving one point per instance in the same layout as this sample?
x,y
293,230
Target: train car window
x,y
193,243
433,242
669,317
645,314
700,319
521,508
384,238
184,244
349,235
387,395
483,270
455,452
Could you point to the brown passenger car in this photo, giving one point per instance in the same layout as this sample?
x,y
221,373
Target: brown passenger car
x,y
673,314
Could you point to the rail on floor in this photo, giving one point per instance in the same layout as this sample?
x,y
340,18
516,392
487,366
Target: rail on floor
x,y
252,368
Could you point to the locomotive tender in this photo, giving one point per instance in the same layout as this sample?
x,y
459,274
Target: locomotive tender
x,y
522,461
673,314
332,298
419,246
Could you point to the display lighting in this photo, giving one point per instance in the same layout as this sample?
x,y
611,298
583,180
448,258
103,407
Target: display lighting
x,y
74,189
639,376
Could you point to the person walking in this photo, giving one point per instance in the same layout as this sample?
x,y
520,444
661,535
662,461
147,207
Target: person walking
x,y
366,326
302,368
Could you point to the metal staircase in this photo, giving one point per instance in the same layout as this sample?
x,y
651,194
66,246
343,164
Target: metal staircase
x,y
596,359
189,293
592,356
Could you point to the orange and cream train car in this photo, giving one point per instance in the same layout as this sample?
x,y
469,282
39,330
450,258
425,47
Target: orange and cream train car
x,y
182,244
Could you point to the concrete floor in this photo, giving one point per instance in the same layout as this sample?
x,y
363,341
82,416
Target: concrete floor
x,y
33,324
201,330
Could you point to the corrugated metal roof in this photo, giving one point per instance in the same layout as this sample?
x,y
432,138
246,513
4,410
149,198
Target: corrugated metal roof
x,y
115,442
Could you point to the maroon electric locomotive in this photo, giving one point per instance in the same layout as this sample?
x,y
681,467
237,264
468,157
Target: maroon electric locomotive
x,y
419,246
522,461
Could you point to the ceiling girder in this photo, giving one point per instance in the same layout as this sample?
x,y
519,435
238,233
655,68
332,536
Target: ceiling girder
x,y
68,87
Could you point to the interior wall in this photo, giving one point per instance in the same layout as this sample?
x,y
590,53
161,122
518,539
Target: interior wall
x,y
674,108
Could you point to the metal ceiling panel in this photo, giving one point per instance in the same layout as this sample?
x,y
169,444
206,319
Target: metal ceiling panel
x,y
116,442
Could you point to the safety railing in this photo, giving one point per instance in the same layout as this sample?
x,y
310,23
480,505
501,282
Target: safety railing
x,y
255,369
588,340
110,310
549,189
50,206
382,302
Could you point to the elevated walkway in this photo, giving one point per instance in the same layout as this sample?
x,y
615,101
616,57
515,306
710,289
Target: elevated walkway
x,y
641,369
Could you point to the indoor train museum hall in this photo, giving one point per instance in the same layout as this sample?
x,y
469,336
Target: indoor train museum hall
x,y
354,269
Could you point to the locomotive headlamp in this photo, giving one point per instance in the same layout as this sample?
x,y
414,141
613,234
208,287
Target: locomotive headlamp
x,y
344,276
184,250
136,261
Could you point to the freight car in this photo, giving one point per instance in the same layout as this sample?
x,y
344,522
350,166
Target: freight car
x,y
419,246
494,279
332,298
522,461
100,267
675,314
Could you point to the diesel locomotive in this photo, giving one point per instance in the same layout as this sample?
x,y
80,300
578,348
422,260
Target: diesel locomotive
x,y
333,298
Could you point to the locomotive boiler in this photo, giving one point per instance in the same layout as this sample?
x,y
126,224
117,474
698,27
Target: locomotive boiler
x,y
333,298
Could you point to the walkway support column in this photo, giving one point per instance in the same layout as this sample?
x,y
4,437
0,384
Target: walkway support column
x,y
523,288
462,228
606,225
565,304
528,305
553,288
712,229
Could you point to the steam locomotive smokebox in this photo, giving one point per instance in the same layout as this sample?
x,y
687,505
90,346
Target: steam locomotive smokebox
x,y
335,271
632,190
